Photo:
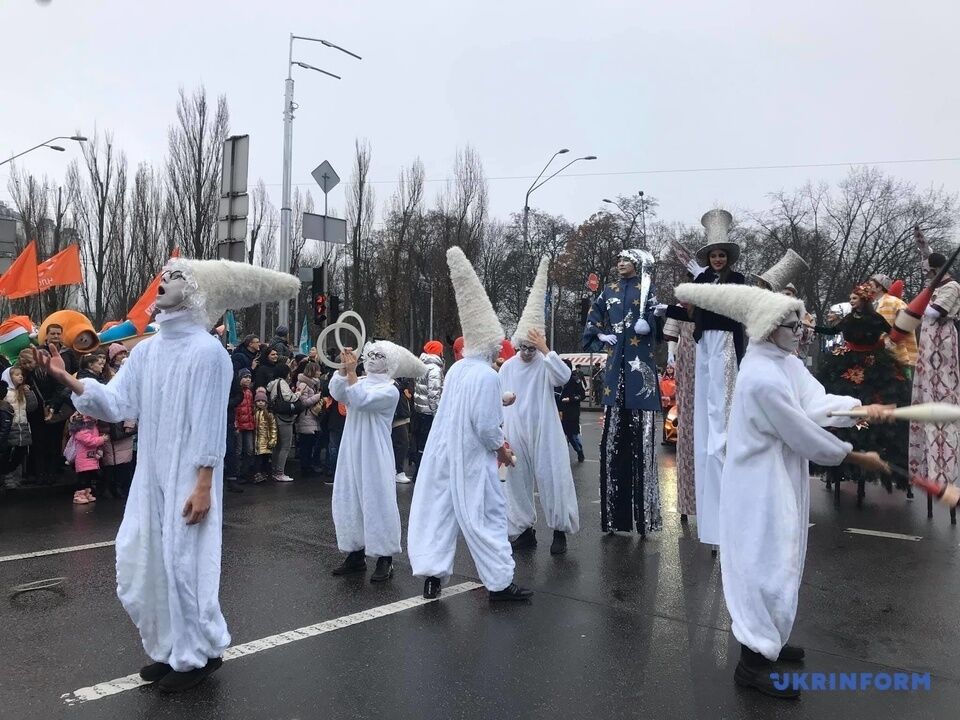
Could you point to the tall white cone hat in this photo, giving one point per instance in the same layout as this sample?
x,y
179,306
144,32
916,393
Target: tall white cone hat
x,y
482,331
534,315
221,285
760,311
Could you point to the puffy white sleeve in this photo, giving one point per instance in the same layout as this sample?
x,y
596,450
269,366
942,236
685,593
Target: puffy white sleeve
x,y
372,397
206,410
796,429
486,413
557,373
818,403
338,388
119,399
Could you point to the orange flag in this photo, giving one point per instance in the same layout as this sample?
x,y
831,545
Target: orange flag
x,y
62,269
21,279
142,311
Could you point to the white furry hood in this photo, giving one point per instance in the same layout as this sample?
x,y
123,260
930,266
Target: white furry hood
x,y
534,314
401,363
221,285
760,311
482,331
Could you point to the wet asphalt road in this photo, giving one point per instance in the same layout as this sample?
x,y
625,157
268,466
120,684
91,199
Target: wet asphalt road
x,y
618,628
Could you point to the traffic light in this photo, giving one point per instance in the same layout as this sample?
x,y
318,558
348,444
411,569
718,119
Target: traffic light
x,y
334,313
319,309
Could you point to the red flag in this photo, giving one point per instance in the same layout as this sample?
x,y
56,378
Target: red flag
x,y
21,279
142,311
62,269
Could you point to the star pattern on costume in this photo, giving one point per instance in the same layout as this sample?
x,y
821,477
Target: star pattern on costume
x,y
635,342
635,364
636,302
637,286
606,392
609,350
614,286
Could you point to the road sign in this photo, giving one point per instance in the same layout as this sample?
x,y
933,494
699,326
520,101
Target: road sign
x,y
335,231
593,282
234,202
326,177
8,242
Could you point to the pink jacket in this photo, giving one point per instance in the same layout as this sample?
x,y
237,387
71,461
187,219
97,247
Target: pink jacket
x,y
88,441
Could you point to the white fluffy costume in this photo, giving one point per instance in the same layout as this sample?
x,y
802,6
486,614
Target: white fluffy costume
x,y
365,511
457,484
176,385
533,429
775,431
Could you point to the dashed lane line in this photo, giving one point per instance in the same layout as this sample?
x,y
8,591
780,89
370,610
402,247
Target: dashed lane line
x,y
57,551
113,687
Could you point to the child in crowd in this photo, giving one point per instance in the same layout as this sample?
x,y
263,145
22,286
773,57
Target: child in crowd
x,y
88,442
246,425
22,401
266,435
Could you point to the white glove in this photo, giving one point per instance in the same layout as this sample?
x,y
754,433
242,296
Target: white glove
x,y
695,268
671,360
932,312
660,310
607,339
642,327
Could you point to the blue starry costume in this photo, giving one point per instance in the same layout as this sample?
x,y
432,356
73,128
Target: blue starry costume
x,y
629,487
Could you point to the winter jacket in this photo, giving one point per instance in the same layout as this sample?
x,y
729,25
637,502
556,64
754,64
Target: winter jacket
x,y
244,412
403,411
266,439
570,410
310,393
119,450
336,416
279,385
6,421
426,393
242,359
20,435
281,346
88,441
264,374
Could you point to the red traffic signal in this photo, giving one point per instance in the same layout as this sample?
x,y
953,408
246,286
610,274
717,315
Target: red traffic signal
x,y
320,308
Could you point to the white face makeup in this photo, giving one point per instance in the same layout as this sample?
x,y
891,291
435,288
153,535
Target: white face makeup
x,y
787,335
527,352
375,362
172,293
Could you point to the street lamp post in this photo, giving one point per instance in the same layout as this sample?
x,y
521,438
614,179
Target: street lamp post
x,y
45,143
641,213
286,212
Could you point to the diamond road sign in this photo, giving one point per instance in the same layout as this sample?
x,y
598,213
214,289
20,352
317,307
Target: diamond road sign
x,y
326,177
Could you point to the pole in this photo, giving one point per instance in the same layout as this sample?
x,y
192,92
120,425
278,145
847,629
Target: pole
x,y
285,211
553,316
431,311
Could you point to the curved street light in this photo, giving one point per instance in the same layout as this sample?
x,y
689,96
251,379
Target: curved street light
x,y
641,213
46,143
537,184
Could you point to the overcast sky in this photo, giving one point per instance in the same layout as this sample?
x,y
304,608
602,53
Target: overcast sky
x,y
644,86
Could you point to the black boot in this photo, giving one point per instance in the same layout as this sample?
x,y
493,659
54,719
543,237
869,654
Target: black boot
x,y
683,518
233,486
354,562
559,544
384,570
791,654
511,592
754,671
526,539
155,671
431,588
580,457
179,681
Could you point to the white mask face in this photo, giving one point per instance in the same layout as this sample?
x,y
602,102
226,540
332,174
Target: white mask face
x,y
375,362
172,293
787,335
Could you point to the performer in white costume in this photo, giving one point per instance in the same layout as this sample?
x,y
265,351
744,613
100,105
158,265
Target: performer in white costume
x,y
776,429
176,385
533,429
365,511
458,486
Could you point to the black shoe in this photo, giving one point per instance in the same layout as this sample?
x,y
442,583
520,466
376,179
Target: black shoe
x,y
233,487
175,681
526,539
384,570
754,671
910,493
511,592
791,653
581,458
683,518
431,588
155,671
354,562
714,550
559,544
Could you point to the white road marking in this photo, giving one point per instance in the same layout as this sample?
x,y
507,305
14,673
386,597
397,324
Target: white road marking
x,y
112,687
879,533
57,551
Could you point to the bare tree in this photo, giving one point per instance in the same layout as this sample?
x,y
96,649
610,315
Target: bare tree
x,y
361,205
195,150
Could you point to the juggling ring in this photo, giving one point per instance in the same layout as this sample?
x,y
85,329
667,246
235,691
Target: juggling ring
x,y
336,327
55,584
